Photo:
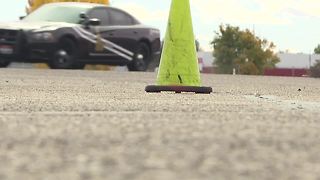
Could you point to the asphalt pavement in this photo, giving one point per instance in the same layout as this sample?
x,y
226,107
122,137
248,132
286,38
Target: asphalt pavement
x,y
83,125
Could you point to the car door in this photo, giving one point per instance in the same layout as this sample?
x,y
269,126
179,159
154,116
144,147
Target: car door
x,y
99,48
112,36
124,33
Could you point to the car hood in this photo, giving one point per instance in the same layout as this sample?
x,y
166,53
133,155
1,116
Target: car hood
x,y
35,26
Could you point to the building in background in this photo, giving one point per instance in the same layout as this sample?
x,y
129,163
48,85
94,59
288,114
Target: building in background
x,y
290,64
205,60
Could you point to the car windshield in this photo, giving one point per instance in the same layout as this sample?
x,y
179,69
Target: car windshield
x,y
57,13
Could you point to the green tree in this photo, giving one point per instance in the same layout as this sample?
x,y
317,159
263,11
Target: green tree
x,y
317,49
242,50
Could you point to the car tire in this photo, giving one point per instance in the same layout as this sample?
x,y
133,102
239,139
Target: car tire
x,y
79,65
141,58
154,64
4,63
65,56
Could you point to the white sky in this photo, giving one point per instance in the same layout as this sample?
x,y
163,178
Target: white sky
x,y
291,24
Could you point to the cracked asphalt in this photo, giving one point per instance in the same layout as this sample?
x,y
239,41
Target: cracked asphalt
x,y
83,125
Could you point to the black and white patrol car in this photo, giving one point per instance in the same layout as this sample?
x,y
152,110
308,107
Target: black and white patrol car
x,y
70,35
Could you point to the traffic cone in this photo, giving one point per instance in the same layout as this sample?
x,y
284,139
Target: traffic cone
x,y
179,71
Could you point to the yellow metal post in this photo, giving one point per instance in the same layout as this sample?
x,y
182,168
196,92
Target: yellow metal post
x,y
34,4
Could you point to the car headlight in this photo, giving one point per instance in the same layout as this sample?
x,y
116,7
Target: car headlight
x,y
43,36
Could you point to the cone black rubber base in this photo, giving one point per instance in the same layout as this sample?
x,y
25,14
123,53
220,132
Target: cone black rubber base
x,y
178,89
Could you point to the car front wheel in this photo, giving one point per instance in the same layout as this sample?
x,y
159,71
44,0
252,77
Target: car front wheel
x,y
4,63
141,58
65,56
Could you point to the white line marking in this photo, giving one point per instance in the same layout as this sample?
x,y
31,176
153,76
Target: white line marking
x,y
106,41
106,47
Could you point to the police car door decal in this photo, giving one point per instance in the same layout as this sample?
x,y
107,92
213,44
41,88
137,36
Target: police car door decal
x,y
108,45
99,44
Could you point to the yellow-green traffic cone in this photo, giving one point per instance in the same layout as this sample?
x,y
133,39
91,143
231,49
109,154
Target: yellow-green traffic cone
x,y
179,71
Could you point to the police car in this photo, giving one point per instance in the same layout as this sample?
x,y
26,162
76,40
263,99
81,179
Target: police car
x,y
70,35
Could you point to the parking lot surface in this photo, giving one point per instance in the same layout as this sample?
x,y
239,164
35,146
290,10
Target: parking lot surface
x,y
70,125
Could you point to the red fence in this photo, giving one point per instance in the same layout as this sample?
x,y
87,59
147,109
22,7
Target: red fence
x,y
286,72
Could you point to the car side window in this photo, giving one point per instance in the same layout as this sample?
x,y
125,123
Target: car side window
x,y
119,18
101,14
